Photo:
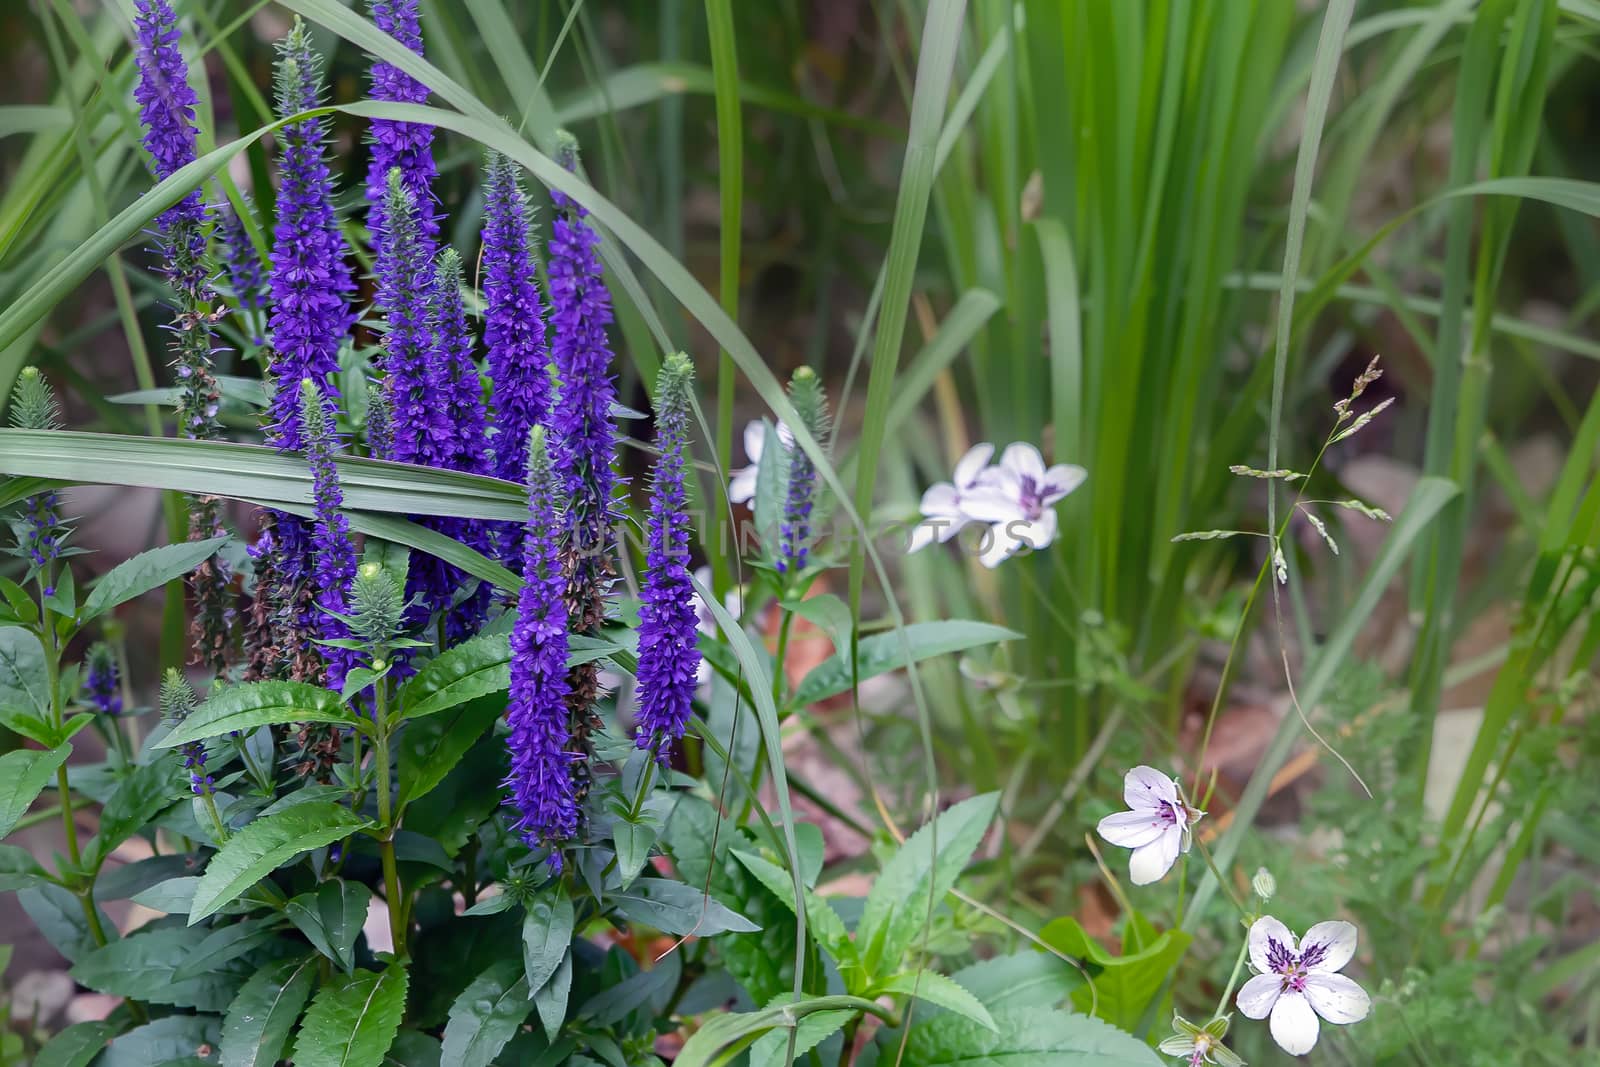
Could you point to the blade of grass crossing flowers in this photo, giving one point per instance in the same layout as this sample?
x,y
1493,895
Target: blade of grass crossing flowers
x,y
730,191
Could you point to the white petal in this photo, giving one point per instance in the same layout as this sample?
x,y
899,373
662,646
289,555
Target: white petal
x,y
991,503
785,435
994,548
1258,995
1151,862
1262,932
922,535
1336,998
1038,533
1145,788
1023,461
1062,479
742,486
941,499
969,465
1338,941
755,435
1130,829
1294,1024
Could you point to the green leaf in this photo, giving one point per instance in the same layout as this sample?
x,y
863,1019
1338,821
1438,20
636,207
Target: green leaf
x,y
226,943
916,879
331,918
147,571
1124,985
486,1016
240,708
413,1049
728,1033
175,1039
173,896
23,775
58,915
260,847
1026,1037
827,613
772,1048
546,934
633,841
430,748
76,1045
550,1000
24,688
1025,979
140,797
885,652
144,966
18,868
935,988
259,1019
824,923
23,609
677,908
472,669
353,1020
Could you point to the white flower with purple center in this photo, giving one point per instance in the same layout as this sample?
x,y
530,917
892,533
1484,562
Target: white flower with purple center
x,y
1017,498
1297,981
1156,827
942,514
742,483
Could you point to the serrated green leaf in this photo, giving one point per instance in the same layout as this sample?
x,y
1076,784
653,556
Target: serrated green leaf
x,y
546,934
825,924
24,688
886,652
935,988
240,708
175,1039
146,571
772,1048
353,1020
733,1031
1027,979
260,847
23,775
76,1045
486,1016
550,999
472,669
677,908
144,966
260,1018
916,880
225,943
430,748
332,917
142,795
1025,1037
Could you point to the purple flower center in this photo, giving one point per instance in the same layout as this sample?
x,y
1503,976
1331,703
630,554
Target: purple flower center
x,y
1032,498
1294,969
1167,812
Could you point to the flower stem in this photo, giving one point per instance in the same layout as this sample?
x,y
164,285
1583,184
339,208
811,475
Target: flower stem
x,y
1233,979
391,871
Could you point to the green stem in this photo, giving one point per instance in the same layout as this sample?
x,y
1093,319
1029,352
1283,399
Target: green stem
x,y
1227,888
218,831
1233,979
391,871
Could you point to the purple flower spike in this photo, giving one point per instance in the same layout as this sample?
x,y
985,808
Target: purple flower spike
x,y
668,626
513,326
805,392
404,271
311,280
406,145
102,682
541,782
166,100
241,265
333,554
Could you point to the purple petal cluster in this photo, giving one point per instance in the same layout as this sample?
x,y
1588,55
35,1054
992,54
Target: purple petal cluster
x,y
333,555
406,145
668,626
513,323
404,270
102,681
540,783
582,430
166,101
794,533
311,278
241,265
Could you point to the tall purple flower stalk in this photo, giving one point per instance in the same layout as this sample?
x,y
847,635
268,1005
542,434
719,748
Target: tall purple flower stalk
x,y
794,549
457,442
166,111
41,536
333,553
582,433
406,145
541,781
311,278
513,320
404,270
241,265
668,626
102,681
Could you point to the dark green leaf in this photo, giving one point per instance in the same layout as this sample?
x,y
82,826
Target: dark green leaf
x,y
332,917
18,869
1124,985
677,908
175,896
175,1039
24,688
546,934
239,708
353,1020
822,921
470,670
226,943
145,964
23,775
1025,1037
265,843
430,748
647,990
23,609
916,879
58,915
551,999
147,571
130,879
486,1016
938,990
259,1019
76,1045
141,795
885,652
633,841
1026,979
411,1049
